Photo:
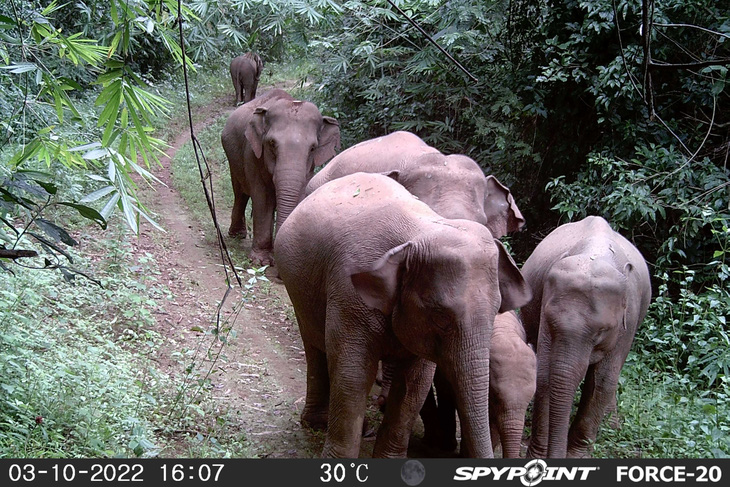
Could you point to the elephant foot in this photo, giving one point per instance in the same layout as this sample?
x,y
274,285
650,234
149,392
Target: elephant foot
x,y
578,453
260,258
535,452
237,232
314,420
579,449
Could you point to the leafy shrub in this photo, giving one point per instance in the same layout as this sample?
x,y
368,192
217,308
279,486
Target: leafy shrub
x,y
75,368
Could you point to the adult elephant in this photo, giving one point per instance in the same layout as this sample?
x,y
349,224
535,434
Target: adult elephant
x,y
592,290
273,144
373,273
452,185
245,73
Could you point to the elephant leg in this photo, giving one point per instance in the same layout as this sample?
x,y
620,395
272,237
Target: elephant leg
x,y
429,416
263,227
248,93
494,432
599,390
385,382
239,90
238,214
254,86
411,381
352,367
316,406
540,423
510,425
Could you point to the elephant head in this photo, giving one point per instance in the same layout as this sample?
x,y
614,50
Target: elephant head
x,y
442,296
291,138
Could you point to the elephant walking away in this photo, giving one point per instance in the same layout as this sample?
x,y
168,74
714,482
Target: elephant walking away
x,y
591,291
273,143
512,379
373,273
454,186
245,73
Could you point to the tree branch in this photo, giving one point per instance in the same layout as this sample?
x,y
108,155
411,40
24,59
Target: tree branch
x,y
16,254
702,64
420,29
694,27
646,26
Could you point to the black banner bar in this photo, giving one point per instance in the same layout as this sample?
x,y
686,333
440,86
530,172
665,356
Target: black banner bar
x,y
362,472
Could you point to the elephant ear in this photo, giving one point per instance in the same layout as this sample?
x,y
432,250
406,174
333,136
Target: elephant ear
x,y
259,66
503,216
393,174
255,131
329,141
513,288
378,286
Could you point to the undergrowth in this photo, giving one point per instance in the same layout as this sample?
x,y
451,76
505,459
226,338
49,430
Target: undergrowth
x,y
76,368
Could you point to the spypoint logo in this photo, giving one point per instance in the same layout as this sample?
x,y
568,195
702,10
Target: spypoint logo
x,y
534,472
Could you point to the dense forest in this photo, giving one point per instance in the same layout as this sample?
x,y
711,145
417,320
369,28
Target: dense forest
x,y
617,108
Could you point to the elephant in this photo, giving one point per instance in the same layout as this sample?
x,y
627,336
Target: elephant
x,y
452,185
245,72
591,291
373,273
273,143
512,382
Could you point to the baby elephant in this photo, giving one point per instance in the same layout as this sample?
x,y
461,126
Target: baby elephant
x,y
373,273
592,291
512,378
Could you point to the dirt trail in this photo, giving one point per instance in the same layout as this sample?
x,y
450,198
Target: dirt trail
x,y
260,378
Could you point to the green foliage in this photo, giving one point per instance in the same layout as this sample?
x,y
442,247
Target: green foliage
x,y
44,123
275,29
75,366
665,416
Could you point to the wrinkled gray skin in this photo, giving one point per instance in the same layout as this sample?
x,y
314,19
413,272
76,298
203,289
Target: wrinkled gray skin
x,y
273,144
592,290
454,186
512,380
245,72
373,274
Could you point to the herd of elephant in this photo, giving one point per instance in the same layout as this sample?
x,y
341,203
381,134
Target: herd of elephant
x,y
391,258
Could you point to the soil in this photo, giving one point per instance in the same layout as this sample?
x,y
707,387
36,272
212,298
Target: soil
x,y
258,383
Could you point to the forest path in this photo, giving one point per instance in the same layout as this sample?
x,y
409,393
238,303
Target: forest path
x,y
258,382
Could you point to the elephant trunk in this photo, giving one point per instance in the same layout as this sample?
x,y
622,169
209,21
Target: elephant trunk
x,y
511,425
567,369
468,372
289,184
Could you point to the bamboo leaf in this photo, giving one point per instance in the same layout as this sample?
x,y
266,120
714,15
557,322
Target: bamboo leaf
x,y
88,213
109,207
99,193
